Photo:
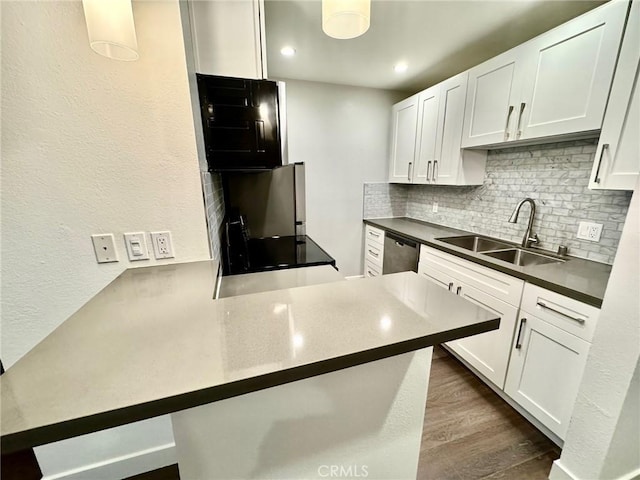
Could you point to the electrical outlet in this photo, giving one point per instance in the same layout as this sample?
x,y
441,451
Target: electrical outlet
x,y
162,246
435,207
136,246
589,231
105,247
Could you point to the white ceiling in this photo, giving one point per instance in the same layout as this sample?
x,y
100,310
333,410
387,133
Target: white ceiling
x,y
436,38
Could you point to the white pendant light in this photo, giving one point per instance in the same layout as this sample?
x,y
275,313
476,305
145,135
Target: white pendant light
x,y
343,19
111,30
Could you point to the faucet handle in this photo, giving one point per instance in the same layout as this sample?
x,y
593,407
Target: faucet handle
x,y
534,239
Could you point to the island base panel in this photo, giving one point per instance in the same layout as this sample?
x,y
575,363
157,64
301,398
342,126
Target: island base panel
x,y
362,421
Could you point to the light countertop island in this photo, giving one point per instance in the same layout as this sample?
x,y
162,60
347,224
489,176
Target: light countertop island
x,y
155,342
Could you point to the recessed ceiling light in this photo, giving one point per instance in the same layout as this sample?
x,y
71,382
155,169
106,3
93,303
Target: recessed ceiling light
x,y
288,51
400,67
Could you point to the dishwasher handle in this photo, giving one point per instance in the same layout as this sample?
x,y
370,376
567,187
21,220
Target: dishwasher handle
x,y
401,241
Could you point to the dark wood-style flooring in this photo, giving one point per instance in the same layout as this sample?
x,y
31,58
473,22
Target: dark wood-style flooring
x,y
469,433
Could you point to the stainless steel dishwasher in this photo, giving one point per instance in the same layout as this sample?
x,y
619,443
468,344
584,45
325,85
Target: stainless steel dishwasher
x,y
400,254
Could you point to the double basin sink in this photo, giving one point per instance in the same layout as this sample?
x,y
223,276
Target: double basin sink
x,y
500,250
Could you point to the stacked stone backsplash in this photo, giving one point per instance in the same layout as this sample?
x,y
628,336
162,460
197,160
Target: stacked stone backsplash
x,y
214,205
554,175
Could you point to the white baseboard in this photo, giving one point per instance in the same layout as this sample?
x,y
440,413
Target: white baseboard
x,y
124,466
560,472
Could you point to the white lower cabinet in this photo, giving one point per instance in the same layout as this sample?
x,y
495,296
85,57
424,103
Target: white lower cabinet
x,y
373,251
538,354
489,352
545,371
549,354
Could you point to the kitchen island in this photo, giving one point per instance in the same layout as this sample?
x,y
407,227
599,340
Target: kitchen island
x,y
346,362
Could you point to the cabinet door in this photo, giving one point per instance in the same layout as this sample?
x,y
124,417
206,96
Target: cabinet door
x,y
488,352
428,101
545,371
569,73
450,116
617,162
492,93
404,118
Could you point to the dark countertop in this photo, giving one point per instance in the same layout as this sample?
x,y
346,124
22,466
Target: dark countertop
x,y
576,278
154,342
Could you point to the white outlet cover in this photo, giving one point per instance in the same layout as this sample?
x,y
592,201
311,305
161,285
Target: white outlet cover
x,y
589,231
104,247
435,207
162,244
136,245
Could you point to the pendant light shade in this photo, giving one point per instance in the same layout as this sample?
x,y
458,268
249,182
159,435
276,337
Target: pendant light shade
x,y
111,30
344,19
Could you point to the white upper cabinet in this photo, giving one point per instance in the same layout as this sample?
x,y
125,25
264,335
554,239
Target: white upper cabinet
x,y
617,161
404,119
570,73
428,103
227,37
556,84
492,92
425,141
452,165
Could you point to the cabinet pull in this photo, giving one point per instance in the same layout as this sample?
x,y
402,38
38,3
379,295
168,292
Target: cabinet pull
x,y
522,105
458,290
370,273
544,305
605,146
374,234
429,171
506,127
450,285
435,175
409,171
373,253
518,342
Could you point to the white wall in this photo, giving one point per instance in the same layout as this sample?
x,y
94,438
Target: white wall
x,y
607,395
342,135
90,145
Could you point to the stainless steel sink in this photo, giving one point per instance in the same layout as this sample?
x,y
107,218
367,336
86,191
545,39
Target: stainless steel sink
x,y
475,243
522,258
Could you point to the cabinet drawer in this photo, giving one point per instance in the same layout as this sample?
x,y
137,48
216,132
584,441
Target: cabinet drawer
x,y
436,276
371,269
373,235
500,285
373,254
566,313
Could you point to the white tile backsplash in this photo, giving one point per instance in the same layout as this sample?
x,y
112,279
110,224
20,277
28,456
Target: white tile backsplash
x,y
214,205
554,175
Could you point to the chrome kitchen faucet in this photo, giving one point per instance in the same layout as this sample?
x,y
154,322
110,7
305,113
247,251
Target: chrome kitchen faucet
x,y
528,237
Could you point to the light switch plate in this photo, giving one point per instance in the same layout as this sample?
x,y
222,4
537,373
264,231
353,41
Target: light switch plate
x,y
162,244
136,245
589,231
105,248
435,207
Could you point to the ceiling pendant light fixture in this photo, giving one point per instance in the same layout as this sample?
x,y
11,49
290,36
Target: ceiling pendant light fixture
x,y
111,30
344,19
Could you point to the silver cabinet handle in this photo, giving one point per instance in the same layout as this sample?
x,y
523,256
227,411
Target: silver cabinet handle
x,y
409,171
435,166
370,273
518,341
544,305
374,234
373,253
522,105
458,290
429,171
506,127
605,146
450,285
